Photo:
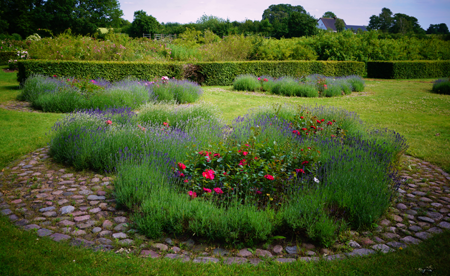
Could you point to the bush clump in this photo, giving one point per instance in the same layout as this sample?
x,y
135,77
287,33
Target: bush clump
x,y
57,94
246,83
442,86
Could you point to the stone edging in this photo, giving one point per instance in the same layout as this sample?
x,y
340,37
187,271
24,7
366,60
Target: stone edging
x,y
78,207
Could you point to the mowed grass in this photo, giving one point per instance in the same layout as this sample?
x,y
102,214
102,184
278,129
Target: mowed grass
x,y
407,107
23,253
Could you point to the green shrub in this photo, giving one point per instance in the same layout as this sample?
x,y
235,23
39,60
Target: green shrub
x,y
5,56
408,69
246,83
442,86
332,91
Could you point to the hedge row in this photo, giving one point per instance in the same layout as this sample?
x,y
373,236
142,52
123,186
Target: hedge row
x,y
206,73
5,56
408,69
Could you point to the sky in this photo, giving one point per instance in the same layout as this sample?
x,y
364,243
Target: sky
x,y
354,12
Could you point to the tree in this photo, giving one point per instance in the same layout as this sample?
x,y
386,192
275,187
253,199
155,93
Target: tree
x,y
280,12
329,14
381,22
339,24
279,15
217,25
302,24
438,29
403,24
143,24
83,17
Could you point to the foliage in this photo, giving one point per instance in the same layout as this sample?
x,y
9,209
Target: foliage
x,y
438,29
329,14
207,73
442,86
143,23
69,94
302,24
82,17
110,71
246,83
235,189
408,69
397,23
339,24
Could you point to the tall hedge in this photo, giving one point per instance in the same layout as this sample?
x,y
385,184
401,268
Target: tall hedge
x,y
5,56
206,73
408,69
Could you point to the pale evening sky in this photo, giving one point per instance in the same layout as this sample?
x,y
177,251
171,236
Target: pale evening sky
x,y
354,12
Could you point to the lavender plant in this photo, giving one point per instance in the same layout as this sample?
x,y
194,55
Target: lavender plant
x,y
237,183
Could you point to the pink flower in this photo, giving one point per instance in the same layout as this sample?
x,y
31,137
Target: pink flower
x,y
330,123
299,171
301,117
218,190
109,122
325,86
225,173
256,158
216,155
207,190
186,181
243,162
258,192
181,166
245,153
192,194
268,176
247,145
181,174
259,78
305,162
265,80
208,174
166,124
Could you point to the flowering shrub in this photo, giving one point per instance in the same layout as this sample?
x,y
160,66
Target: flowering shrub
x,y
310,86
250,171
60,94
12,63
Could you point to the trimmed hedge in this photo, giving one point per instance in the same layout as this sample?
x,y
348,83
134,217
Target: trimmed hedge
x,y
108,70
408,69
223,73
206,73
5,56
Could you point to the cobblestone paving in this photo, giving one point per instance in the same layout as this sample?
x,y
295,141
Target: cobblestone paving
x,y
39,195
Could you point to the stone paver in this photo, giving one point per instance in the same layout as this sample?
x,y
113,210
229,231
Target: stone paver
x,y
78,207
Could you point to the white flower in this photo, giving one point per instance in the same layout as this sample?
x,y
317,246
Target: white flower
x,y
316,180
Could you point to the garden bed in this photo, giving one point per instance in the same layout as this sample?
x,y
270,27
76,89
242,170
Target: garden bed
x,y
275,171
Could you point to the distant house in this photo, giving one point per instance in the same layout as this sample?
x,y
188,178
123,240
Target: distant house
x,y
355,28
328,24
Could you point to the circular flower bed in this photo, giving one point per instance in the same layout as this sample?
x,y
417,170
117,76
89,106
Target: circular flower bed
x,y
289,170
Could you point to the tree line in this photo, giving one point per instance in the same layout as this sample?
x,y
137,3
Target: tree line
x,y
50,17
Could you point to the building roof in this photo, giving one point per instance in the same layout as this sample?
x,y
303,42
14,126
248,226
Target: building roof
x,y
329,23
355,28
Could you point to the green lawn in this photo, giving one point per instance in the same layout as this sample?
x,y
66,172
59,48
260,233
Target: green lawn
x,y
408,107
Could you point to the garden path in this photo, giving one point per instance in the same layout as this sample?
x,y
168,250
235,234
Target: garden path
x,y
38,194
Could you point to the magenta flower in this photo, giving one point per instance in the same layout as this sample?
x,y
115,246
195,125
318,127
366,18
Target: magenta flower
x,y
208,174
207,190
218,190
109,122
299,171
258,192
268,176
181,166
192,194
